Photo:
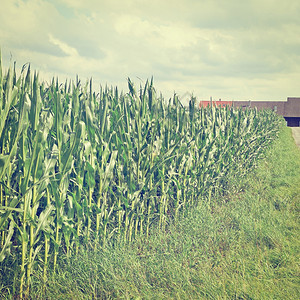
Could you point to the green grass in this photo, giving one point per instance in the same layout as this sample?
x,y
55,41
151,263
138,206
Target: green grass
x,y
244,246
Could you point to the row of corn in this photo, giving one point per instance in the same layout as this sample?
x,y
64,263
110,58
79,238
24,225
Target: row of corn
x,y
80,168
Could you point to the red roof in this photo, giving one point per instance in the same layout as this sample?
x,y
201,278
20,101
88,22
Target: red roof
x,y
215,103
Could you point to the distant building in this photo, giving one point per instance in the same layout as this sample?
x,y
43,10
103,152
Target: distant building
x,y
215,103
289,109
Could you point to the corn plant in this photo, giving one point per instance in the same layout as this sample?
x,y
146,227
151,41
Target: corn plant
x,y
80,168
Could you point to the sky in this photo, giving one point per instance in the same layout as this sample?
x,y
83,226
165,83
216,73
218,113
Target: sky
x,y
229,50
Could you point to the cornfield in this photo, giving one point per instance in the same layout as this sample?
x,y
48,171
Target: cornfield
x,y
82,168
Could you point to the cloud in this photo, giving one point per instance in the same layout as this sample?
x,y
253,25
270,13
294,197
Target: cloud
x,y
233,48
68,50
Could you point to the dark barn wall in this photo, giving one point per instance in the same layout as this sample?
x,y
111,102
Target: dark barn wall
x,y
292,107
292,122
278,106
266,105
241,103
289,109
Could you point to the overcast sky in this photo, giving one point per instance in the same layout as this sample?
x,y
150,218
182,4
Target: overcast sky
x,y
232,49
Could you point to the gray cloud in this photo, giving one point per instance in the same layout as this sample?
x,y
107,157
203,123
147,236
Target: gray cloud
x,y
235,49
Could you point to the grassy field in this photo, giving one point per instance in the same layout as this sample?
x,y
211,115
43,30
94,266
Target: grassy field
x,y
244,246
128,195
86,169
